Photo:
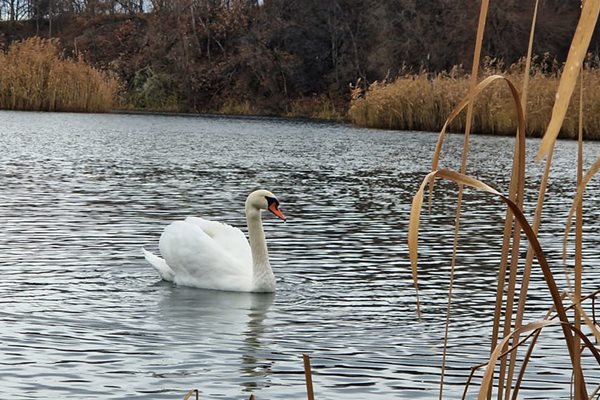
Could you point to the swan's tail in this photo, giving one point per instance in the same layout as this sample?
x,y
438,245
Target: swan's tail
x,y
159,265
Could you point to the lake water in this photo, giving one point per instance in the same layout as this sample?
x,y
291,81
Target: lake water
x,y
83,316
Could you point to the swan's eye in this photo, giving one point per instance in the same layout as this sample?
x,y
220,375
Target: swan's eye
x,y
272,200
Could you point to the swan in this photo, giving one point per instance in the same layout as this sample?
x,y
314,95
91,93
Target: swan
x,y
212,255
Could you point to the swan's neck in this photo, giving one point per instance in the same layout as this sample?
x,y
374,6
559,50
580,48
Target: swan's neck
x,y
263,278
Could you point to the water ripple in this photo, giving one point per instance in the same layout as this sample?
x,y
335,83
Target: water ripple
x,y
84,316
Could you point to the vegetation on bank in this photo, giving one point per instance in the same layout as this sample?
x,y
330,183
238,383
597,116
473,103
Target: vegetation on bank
x,y
35,76
423,101
277,57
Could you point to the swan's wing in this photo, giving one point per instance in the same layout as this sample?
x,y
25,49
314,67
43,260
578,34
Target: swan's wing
x,y
160,265
198,260
231,239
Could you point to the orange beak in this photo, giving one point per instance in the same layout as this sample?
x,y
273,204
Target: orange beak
x,y
274,208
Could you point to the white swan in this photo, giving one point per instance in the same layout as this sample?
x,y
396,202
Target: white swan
x,y
211,255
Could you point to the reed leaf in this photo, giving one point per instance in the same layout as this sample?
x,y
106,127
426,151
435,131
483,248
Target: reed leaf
x,y
415,218
533,326
527,357
489,371
588,321
519,155
461,106
462,179
568,80
578,197
511,350
535,334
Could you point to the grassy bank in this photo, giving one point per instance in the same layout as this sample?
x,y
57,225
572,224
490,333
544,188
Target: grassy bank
x,y
422,102
35,76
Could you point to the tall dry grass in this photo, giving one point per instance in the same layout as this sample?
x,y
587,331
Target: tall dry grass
x,y
512,297
422,102
34,75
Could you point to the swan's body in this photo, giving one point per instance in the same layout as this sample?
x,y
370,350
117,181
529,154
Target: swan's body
x,y
211,255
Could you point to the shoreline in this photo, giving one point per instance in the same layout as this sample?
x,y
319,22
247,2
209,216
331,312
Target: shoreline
x,y
232,116
257,117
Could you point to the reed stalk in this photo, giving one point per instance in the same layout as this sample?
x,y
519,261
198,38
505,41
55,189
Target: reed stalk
x,y
579,224
505,250
308,376
463,168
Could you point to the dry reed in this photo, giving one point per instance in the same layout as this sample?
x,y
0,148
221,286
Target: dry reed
x,y
507,291
422,102
35,76
567,327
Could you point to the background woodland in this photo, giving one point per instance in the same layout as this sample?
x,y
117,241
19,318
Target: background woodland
x,y
282,56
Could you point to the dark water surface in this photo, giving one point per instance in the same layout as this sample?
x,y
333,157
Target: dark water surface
x,y
83,316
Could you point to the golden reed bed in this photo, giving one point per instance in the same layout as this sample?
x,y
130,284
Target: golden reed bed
x,y
35,76
422,102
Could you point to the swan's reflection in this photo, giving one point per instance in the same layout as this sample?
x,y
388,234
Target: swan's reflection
x,y
219,324
254,367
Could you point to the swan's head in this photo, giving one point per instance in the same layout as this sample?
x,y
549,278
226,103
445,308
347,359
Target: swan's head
x,y
265,200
